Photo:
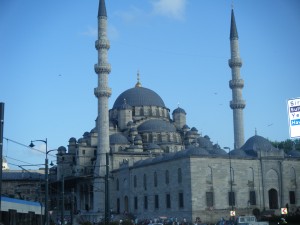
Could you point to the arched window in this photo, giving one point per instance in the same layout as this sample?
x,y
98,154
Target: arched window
x,y
145,182
155,179
209,175
167,177
250,175
179,175
134,181
117,184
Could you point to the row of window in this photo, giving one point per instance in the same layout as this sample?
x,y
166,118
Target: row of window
x,y
209,200
155,179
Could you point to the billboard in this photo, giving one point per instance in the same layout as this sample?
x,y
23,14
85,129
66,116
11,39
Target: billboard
x,y
293,107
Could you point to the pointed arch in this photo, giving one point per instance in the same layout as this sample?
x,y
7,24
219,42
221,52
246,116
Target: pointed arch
x,y
209,175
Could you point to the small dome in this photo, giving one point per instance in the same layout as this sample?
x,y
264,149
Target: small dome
x,y
156,125
152,146
117,139
72,139
204,142
257,143
179,110
86,134
125,106
186,127
139,96
194,129
61,150
138,138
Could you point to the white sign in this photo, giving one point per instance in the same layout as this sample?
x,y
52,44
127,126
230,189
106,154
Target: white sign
x,y
293,107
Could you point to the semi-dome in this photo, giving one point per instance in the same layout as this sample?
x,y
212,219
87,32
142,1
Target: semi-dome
x,y
117,139
156,125
139,96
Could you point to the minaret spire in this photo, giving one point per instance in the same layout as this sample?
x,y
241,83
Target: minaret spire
x,y
236,84
102,92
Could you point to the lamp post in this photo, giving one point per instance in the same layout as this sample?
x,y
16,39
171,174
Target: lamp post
x,y
231,193
46,221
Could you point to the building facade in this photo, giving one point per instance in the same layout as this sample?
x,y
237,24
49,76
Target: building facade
x,y
142,158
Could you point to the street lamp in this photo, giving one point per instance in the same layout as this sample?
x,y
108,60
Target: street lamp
x,y
231,193
46,221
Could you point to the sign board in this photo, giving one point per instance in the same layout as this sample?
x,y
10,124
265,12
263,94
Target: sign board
x,y
293,107
232,213
284,211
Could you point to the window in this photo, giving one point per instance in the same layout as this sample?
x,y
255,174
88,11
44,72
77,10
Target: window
x,y
155,179
168,201
180,200
135,203
179,176
134,181
117,184
145,202
167,177
209,175
231,198
145,182
292,197
209,199
252,198
118,205
156,201
83,152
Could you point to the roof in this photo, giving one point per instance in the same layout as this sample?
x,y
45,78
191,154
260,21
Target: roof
x,y
21,175
233,29
257,143
139,96
102,9
156,125
118,139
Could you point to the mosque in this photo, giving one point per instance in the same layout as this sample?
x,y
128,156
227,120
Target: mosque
x,y
141,158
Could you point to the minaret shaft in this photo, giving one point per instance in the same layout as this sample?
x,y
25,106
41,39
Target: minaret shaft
x,y
102,92
237,104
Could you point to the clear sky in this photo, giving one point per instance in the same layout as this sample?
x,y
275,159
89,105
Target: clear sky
x,y
180,47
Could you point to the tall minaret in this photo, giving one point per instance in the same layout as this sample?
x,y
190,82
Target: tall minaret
x,y
102,92
236,84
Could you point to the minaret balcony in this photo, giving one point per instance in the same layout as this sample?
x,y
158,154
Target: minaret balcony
x,y
102,92
102,44
235,62
237,104
103,68
236,83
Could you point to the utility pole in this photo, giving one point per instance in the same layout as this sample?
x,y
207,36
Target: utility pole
x,y
1,148
62,200
72,205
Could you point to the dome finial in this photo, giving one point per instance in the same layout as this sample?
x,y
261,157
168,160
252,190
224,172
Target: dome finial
x,y
255,131
138,83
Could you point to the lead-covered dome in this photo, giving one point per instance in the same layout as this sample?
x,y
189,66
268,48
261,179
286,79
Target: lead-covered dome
x,y
156,125
139,96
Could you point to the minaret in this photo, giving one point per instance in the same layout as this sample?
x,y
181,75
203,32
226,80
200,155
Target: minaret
x,y
102,92
236,84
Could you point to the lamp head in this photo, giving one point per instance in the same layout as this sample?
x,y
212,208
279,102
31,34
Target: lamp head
x,y
31,145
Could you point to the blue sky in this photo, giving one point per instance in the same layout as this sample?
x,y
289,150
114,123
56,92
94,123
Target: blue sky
x,y
180,47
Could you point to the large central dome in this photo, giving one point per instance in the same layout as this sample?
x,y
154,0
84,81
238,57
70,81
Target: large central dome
x,y
139,96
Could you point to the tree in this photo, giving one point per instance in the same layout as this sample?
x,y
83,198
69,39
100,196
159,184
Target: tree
x,y
287,145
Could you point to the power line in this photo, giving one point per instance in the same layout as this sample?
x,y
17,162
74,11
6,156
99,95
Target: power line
x,y
16,142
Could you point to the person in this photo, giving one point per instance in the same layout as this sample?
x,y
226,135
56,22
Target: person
x,y
198,221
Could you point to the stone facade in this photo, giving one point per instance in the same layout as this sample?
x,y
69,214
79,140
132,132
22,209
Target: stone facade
x,y
157,166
